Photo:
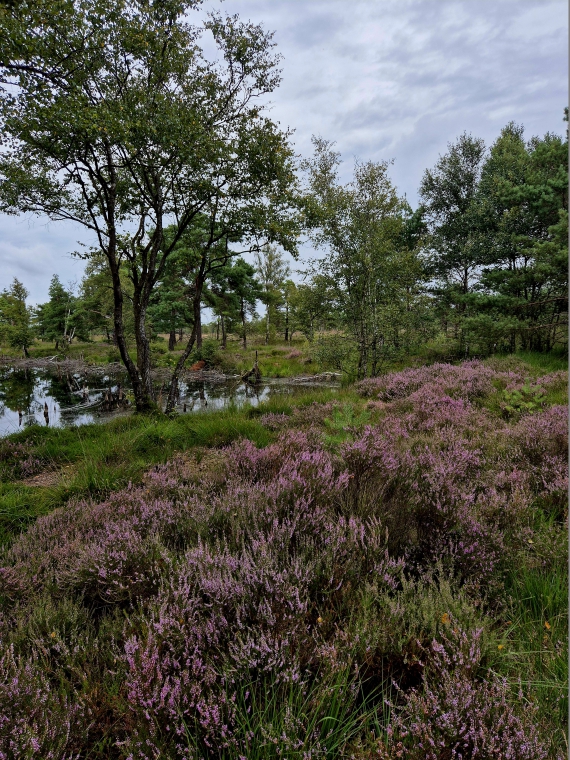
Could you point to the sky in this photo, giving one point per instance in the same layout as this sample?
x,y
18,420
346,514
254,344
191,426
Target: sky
x,y
383,79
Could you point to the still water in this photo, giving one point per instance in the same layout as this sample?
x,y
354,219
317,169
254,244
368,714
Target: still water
x,y
33,396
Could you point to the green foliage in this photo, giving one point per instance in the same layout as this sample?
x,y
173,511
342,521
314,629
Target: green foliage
x,y
15,317
273,272
498,243
208,352
372,271
452,210
61,318
232,292
542,362
313,307
528,398
336,352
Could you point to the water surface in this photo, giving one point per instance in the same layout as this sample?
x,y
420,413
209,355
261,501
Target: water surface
x,y
37,396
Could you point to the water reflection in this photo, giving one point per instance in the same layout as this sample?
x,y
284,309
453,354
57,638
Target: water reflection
x,y
29,397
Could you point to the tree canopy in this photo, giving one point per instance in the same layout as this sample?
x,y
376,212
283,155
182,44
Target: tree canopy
x,y
15,317
113,117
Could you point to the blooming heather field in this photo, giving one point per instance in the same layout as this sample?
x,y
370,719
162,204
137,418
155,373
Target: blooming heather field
x,y
386,579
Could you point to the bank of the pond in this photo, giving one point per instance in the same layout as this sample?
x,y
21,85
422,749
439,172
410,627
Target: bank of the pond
x,y
42,467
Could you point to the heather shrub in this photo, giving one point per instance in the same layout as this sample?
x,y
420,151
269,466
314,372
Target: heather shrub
x,y
542,435
17,460
425,494
76,651
265,602
539,445
456,714
35,720
56,631
313,415
430,411
275,421
108,552
553,381
393,626
468,380
223,619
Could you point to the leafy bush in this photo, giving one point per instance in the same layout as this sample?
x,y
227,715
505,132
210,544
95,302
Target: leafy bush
x,y
525,398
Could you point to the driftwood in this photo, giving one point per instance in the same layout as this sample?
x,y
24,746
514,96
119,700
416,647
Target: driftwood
x,y
254,374
324,377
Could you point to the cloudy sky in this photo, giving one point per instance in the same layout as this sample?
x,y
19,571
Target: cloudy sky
x,y
383,79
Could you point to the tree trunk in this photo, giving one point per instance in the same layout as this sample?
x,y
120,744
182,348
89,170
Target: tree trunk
x,y
172,336
267,326
143,349
199,329
224,334
374,358
143,402
286,321
196,306
244,332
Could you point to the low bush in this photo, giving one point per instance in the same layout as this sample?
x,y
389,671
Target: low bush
x,y
355,584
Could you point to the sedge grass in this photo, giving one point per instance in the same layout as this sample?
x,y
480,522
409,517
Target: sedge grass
x,y
323,718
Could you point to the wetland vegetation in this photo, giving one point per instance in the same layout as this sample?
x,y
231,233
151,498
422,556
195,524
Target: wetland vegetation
x,y
341,573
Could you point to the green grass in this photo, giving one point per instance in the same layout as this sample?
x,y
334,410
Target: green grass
x,y
95,352
298,720
274,360
534,639
94,460
543,363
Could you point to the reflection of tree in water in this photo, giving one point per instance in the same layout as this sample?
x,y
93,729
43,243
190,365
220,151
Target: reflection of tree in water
x,y
38,394
17,390
253,391
58,389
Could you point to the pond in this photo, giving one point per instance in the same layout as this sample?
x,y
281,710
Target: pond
x,y
37,396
